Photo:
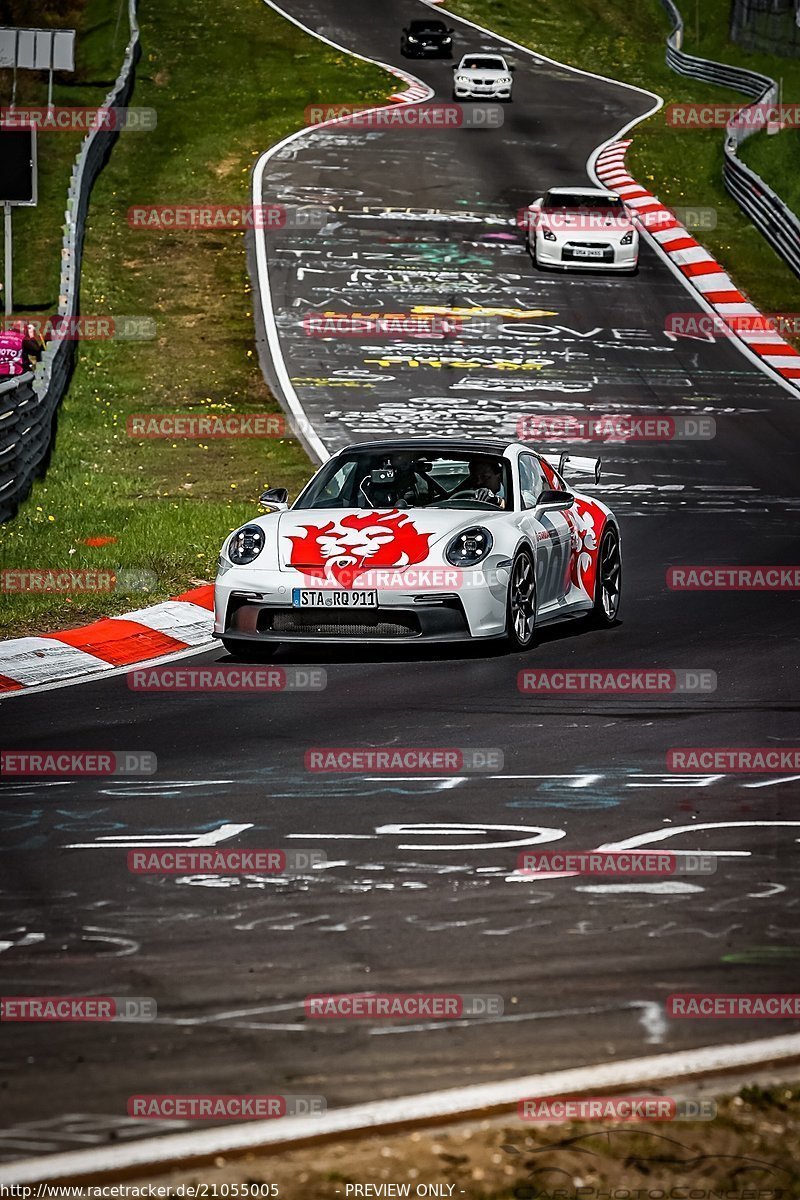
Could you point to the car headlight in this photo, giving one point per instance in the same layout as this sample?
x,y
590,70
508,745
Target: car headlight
x,y
548,235
245,545
626,238
462,79
468,548
413,39
504,79
446,41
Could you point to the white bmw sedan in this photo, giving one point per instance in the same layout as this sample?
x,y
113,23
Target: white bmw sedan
x,y
482,77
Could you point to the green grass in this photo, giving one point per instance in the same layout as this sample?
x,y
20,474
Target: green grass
x,y
777,160
224,89
627,42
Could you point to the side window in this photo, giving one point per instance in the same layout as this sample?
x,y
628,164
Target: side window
x,y
531,480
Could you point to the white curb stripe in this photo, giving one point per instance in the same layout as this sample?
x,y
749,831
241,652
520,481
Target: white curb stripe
x,y
180,619
451,1105
31,660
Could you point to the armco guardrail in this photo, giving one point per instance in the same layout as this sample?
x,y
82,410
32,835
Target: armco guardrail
x,y
775,220
26,441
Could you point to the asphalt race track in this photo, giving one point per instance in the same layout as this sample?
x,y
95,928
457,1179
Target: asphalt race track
x,y
420,891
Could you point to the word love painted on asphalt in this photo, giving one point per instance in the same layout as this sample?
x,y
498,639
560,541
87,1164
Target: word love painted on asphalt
x,y
77,1008
615,862
78,762
734,1004
193,425
181,861
199,217
379,324
60,119
614,427
712,578
438,760
224,1107
558,1109
408,116
737,759
642,681
227,679
356,1006
709,326
16,580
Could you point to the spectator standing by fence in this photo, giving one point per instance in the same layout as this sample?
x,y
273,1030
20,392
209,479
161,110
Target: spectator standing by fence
x,y
12,353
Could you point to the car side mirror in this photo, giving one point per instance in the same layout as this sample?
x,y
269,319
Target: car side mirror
x,y
405,29
275,499
553,500
512,69
454,68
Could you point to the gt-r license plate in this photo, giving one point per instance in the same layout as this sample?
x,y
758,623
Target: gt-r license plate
x,y
588,252
330,598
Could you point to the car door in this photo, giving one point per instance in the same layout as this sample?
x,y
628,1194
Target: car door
x,y
549,531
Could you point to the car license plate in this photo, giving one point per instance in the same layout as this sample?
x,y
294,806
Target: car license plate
x,y
330,598
588,252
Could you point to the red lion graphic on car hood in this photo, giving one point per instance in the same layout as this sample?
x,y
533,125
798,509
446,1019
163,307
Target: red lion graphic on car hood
x,y
341,550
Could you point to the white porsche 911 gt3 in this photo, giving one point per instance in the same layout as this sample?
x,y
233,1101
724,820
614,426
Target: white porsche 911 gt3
x,y
482,77
584,227
438,540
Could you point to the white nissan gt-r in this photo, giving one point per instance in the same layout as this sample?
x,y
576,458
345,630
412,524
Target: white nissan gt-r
x,y
436,540
584,227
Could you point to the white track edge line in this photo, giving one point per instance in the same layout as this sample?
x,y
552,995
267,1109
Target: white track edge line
x,y
451,1105
313,439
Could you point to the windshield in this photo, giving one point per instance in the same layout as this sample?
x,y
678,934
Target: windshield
x,y
427,27
410,479
483,64
570,200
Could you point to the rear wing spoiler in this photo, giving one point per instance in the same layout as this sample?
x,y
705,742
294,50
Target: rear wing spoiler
x,y
574,464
